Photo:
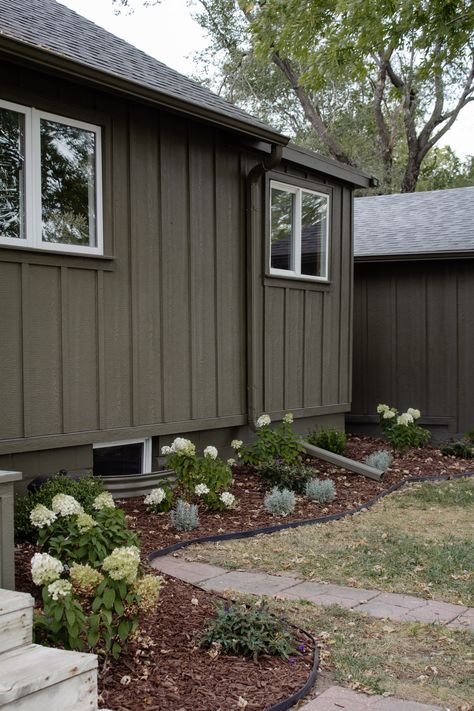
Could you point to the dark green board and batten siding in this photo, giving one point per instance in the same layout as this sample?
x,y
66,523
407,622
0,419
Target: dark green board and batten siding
x,y
414,341
153,340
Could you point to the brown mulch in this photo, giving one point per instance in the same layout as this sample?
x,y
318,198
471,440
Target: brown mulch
x,y
351,490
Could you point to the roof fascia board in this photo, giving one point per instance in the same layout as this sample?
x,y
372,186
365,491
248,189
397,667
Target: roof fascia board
x,y
78,70
415,257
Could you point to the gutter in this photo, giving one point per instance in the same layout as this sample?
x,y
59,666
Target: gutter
x,y
253,219
414,256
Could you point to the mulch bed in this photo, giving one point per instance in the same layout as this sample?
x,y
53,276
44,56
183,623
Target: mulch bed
x,y
351,490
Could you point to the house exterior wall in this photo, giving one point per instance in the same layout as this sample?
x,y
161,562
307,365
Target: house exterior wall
x,y
153,341
414,342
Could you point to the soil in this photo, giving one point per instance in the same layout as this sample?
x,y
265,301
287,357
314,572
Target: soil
x,y
351,490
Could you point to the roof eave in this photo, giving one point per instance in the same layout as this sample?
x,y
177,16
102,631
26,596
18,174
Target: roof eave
x,y
73,68
415,256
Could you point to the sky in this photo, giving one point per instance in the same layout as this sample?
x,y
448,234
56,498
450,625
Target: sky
x,y
168,33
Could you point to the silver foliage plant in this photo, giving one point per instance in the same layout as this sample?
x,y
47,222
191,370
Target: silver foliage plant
x,y
280,501
321,490
185,516
381,459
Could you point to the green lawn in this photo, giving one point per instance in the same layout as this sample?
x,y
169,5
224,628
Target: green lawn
x,y
418,541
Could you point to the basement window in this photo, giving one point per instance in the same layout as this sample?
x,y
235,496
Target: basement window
x,y
299,232
125,458
50,181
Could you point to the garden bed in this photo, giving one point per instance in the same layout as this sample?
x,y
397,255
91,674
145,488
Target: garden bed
x,y
352,490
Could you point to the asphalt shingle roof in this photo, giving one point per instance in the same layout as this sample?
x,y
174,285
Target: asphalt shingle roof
x,y
414,223
48,25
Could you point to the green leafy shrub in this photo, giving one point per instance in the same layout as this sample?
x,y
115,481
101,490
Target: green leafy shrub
x,y
470,436
271,443
332,440
280,502
286,476
381,460
159,500
185,516
321,490
401,430
247,631
461,449
83,490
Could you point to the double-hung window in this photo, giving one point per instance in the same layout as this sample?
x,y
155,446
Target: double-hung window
x,y
299,232
50,181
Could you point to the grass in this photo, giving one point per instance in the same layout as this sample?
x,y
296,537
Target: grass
x,y
425,663
417,541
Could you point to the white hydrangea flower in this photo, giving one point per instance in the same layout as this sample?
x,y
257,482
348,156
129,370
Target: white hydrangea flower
x,y
382,408
45,569
60,588
231,461
166,450
85,522
227,499
103,501
211,452
416,414
236,444
388,414
263,421
41,516
201,489
122,563
156,496
405,419
183,447
65,505
288,418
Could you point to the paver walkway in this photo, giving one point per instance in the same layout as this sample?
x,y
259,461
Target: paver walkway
x,y
337,698
374,602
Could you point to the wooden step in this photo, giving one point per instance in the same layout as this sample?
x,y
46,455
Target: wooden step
x,y
35,678
124,487
16,620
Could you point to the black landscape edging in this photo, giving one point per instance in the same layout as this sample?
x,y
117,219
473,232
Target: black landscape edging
x,y
303,522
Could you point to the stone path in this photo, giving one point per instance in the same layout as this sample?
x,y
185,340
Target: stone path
x,y
337,698
373,602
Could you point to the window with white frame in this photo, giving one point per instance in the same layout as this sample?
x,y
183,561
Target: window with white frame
x,y
299,232
128,457
50,181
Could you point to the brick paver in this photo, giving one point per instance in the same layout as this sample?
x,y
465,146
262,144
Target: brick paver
x,y
337,698
255,583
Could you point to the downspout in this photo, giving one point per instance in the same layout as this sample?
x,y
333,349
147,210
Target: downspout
x,y
254,254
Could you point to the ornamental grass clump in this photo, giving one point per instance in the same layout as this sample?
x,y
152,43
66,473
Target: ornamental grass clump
x,y
285,476
280,502
329,439
185,516
321,490
381,460
247,631
401,430
271,443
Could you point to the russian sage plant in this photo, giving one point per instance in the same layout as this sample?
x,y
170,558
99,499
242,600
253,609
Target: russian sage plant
x,y
185,516
381,459
321,490
280,502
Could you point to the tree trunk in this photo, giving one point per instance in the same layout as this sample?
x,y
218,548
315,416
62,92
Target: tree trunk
x,y
412,173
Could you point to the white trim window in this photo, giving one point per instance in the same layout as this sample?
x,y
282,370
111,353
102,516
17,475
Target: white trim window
x,y
50,181
123,458
299,232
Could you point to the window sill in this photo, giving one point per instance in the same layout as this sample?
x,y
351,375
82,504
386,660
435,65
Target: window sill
x,y
28,255
296,282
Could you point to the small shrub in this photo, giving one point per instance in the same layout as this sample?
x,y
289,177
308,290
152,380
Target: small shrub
x,y
159,500
247,631
470,436
401,430
280,502
332,440
285,476
83,490
185,516
460,449
321,490
381,460
271,443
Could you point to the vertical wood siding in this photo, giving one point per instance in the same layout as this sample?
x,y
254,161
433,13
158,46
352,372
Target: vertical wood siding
x,y
413,339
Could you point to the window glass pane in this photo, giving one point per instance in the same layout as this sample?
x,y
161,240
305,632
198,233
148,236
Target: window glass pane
x,y
118,460
12,174
68,184
283,204
314,209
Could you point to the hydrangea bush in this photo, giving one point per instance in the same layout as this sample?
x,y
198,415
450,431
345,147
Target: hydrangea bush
x,y
160,499
271,443
402,430
89,569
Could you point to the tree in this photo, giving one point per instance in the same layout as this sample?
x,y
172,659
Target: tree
x,y
444,169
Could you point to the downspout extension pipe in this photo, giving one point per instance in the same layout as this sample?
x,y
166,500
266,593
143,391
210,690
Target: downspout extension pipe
x,y
254,253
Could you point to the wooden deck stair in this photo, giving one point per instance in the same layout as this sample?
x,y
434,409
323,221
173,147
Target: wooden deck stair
x,y
33,677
